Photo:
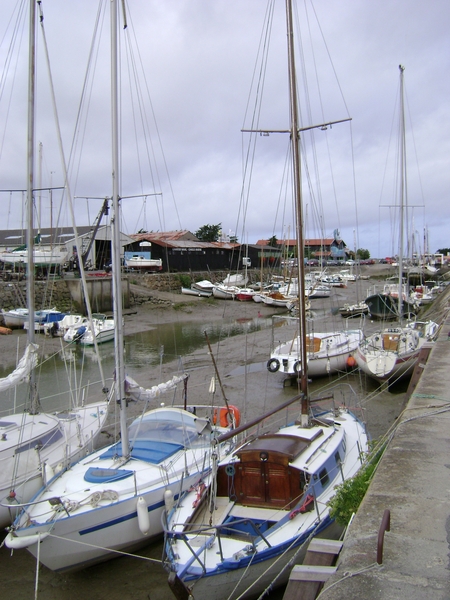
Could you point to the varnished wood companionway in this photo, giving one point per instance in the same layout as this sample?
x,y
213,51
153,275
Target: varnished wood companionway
x,y
264,475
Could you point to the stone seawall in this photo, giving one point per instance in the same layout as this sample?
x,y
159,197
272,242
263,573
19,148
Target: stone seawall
x,y
65,295
47,294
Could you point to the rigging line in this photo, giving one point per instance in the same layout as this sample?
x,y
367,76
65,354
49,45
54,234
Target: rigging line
x,y
155,123
9,56
329,56
86,93
69,194
262,52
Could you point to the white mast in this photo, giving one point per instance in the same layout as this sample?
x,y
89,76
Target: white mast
x,y
30,188
115,238
402,195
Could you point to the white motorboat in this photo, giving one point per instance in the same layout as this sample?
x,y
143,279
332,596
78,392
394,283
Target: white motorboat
x,y
100,331
59,328
84,331
140,262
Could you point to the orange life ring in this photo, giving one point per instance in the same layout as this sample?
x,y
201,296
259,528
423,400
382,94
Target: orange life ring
x,y
227,416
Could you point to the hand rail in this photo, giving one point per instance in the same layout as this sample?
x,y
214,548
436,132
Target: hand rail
x,y
385,526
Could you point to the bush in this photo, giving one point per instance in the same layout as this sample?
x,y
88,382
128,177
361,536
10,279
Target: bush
x,y
185,280
351,492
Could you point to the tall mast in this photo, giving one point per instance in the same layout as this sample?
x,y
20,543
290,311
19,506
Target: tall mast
x,y
30,188
115,237
295,141
402,194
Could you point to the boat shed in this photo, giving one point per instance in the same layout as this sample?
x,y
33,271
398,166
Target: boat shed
x,y
181,251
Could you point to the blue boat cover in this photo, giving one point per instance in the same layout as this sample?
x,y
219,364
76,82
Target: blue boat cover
x,y
152,452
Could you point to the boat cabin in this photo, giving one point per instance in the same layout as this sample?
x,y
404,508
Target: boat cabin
x,y
264,476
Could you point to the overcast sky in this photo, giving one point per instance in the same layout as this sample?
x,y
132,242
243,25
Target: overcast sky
x,y
199,59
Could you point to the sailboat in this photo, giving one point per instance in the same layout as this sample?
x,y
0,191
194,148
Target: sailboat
x,y
270,495
43,256
392,352
112,499
36,445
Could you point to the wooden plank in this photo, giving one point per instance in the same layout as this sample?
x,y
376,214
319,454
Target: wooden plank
x,y
321,555
323,545
311,573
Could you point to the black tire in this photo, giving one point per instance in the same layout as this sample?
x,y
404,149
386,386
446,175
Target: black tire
x,y
297,367
273,365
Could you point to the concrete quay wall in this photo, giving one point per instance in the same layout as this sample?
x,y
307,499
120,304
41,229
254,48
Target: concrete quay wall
x,y
413,482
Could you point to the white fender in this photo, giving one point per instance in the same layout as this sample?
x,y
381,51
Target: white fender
x,y
15,542
168,500
143,516
49,473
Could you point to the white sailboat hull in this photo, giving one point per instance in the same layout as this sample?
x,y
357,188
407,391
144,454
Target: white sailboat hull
x,y
36,443
393,352
100,494
41,257
146,264
327,353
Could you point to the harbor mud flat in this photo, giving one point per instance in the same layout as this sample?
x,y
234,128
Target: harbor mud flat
x,y
241,365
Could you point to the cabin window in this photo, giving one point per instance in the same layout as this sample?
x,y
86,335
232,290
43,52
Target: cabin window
x,y
337,458
323,476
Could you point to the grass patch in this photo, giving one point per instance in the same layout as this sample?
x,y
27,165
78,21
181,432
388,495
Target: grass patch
x,y
351,492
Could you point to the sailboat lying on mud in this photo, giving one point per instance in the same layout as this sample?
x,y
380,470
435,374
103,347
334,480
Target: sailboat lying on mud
x,y
236,535
35,445
112,499
392,352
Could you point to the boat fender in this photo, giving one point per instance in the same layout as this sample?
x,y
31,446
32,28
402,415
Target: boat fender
x,y
351,362
16,543
273,365
143,516
227,416
49,473
298,367
168,500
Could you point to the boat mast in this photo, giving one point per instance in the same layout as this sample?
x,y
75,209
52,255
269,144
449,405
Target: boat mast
x,y
34,404
115,238
295,141
402,194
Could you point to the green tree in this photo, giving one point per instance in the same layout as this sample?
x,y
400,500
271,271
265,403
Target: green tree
x,y
443,251
273,241
362,254
209,233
